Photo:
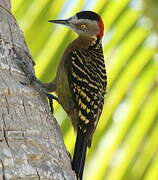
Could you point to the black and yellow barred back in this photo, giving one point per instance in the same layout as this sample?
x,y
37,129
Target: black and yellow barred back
x,y
87,80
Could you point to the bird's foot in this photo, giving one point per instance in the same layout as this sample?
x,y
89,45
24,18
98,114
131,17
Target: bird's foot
x,y
51,98
69,155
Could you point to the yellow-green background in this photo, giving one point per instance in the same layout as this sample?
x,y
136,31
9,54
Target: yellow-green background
x,y
125,145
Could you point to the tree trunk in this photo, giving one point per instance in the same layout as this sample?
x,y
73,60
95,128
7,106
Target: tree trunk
x,y
31,145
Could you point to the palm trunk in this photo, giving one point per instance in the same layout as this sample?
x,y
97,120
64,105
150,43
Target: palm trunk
x,y
31,145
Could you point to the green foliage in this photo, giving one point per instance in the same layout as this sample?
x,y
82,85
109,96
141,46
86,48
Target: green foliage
x,y
125,144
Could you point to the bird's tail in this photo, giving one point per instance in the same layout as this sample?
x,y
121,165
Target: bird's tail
x,y
79,154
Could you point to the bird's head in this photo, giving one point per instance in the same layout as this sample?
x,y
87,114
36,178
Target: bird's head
x,y
84,23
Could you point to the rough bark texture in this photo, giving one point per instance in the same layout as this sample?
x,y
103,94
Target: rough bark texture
x,y
31,145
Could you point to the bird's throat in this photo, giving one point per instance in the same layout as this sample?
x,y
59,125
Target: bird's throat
x,y
86,42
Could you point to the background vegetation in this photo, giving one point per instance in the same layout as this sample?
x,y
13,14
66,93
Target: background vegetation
x,y
125,145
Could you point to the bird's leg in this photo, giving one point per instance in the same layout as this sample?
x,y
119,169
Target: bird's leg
x,y
69,156
43,88
51,98
51,87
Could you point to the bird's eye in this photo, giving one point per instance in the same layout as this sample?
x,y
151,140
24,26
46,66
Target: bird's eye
x,y
83,26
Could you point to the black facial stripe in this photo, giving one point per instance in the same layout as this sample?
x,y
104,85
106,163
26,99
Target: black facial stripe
x,y
88,15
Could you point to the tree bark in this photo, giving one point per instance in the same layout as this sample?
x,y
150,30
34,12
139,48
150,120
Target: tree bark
x,y
31,145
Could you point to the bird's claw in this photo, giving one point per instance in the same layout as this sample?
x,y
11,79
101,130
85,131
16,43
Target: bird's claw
x,y
51,98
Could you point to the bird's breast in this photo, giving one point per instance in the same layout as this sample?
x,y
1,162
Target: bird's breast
x,y
64,94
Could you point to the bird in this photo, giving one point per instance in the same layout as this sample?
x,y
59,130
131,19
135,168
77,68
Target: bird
x,y
81,80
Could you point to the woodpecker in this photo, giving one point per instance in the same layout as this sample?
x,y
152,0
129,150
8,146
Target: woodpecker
x,y
81,80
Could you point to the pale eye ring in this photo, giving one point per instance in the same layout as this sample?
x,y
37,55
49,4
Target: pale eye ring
x,y
83,26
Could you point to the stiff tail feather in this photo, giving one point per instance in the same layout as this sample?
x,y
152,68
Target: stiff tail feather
x,y
79,154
